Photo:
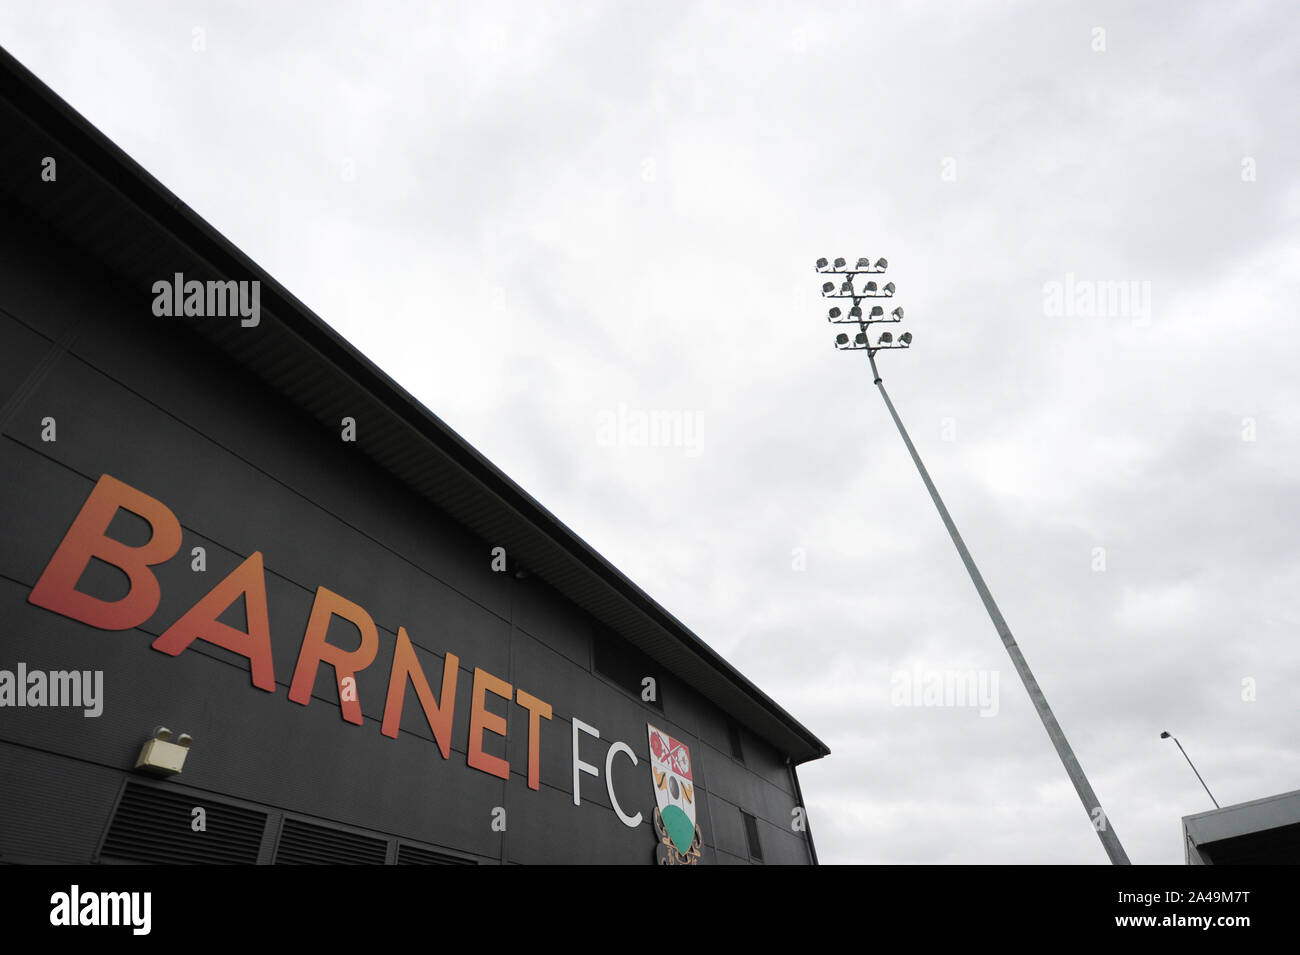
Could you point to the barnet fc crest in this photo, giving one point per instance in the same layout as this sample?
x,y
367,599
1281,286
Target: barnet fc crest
x,y
675,798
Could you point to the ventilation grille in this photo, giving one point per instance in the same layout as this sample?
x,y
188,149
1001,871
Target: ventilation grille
x,y
751,836
413,855
302,843
156,825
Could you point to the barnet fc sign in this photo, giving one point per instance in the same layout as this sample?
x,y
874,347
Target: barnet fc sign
x,y
87,539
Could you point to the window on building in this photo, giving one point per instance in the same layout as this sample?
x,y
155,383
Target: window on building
x,y
627,667
733,733
751,836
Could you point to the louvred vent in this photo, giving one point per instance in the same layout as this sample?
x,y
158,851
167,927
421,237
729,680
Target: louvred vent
x,y
413,855
303,843
157,826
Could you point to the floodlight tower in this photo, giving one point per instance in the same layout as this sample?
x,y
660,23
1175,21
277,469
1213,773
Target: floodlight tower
x,y
870,289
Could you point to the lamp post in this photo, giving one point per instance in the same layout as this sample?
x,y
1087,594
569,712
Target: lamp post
x,y
871,289
1165,734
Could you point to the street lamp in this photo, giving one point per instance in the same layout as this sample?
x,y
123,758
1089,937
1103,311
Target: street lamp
x,y
1166,735
1096,815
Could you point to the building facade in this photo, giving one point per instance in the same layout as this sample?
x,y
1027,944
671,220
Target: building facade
x,y
230,544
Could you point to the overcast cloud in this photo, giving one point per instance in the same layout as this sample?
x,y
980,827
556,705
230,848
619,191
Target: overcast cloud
x,y
534,215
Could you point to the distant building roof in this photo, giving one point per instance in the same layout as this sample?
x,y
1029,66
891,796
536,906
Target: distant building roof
x,y
1263,831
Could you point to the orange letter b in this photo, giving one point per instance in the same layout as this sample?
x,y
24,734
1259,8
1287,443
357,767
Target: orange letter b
x,y
57,588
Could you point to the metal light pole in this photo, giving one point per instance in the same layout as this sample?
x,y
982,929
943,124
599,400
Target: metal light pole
x,y
1167,735
871,290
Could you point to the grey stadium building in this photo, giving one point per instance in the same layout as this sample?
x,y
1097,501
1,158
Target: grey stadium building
x,y
261,606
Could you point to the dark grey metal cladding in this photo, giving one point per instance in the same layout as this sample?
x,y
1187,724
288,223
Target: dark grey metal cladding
x,y
259,746
54,809
256,477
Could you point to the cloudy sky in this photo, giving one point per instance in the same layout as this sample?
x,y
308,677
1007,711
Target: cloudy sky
x,y
553,221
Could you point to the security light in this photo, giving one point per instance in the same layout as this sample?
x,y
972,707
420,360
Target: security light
x,y
161,757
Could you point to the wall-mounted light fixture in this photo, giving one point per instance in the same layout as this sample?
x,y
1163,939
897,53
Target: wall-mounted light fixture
x,y
160,756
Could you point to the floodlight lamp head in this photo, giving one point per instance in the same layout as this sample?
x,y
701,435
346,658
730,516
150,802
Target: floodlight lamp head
x,y
882,264
828,287
869,287
840,263
905,338
864,263
897,313
877,311
889,288
841,339
835,313
860,338
846,288
821,264
1164,734
886,338
162,733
